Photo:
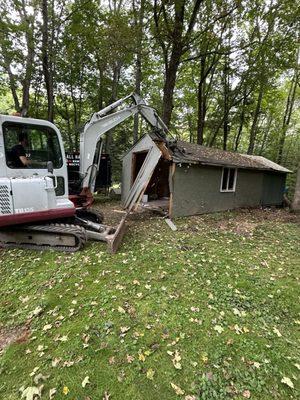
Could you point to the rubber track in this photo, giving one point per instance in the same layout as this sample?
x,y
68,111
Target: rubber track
x,y
77,231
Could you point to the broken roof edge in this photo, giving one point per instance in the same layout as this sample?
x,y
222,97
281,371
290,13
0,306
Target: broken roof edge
x,y
152,136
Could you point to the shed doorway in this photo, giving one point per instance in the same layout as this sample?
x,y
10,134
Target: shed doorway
x,y
157,193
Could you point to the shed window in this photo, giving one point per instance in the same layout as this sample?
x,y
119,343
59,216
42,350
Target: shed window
x,y
228,180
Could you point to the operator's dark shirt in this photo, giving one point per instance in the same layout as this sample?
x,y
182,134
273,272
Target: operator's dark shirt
x,y
16,152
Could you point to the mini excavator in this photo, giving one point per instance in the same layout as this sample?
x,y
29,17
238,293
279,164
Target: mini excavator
x,y
37,208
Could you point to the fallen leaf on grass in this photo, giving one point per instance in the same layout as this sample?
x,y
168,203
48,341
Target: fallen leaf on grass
x,y
287,381
150,374
52,392
275,330
68,363
65,390
246,394
55,362
177,389
24,299
218,328
129,358
111,360
176,360
62,338
31,392
47,327
34,371
85,382
34,313
39,377
204,358
124,329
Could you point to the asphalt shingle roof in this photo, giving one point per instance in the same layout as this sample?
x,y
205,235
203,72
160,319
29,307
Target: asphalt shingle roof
x,y
186,152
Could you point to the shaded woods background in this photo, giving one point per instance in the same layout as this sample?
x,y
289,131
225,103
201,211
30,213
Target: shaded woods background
x,y
221,73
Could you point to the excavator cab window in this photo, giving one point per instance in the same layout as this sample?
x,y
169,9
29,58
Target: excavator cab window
x,y
41,145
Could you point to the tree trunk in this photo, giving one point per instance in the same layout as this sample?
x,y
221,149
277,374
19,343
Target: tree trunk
x,y
174,43
138,62
253,130
201,102
27,79
114,94
289,108
12,84
226,103
29,60
169,85
265,135
242,120
215,134
46,61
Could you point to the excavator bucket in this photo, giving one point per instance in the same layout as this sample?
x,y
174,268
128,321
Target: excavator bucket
x,y
105,233
114,240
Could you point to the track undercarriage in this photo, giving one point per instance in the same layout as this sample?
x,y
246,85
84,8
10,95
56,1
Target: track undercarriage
x,y
69,236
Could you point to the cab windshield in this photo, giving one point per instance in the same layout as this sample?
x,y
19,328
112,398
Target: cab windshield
x,y
37,143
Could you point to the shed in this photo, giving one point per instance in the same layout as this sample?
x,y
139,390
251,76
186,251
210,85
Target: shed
x,y
187,179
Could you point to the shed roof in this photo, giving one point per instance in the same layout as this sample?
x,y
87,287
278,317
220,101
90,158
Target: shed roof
x,y
186,152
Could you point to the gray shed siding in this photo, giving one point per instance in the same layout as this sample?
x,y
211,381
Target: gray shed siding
x,y
273,188
197,190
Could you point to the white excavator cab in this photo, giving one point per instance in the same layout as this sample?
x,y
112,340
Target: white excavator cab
x,y
30,192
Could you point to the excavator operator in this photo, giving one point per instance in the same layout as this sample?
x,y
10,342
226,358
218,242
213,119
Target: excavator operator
x,y
18,155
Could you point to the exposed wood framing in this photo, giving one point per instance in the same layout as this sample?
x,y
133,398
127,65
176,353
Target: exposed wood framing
x,y
143,178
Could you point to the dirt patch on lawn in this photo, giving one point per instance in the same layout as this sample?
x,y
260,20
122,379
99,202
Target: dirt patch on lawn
x,y
240,221
243,228
18,334
113,213
245,221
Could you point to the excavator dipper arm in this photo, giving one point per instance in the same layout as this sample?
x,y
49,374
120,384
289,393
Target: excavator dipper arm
x,y
100,123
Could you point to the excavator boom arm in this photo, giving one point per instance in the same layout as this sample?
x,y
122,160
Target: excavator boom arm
x,y
101,122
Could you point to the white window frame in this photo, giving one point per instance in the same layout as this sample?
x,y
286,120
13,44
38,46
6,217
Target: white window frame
x,y
234,182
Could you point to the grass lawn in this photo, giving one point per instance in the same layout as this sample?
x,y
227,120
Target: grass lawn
x,y
208,312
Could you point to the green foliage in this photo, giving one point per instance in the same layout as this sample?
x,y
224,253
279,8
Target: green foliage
x,y
234,51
